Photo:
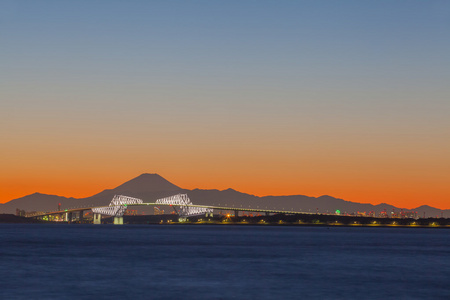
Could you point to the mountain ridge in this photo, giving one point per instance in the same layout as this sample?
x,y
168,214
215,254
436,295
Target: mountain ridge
x,y
150,187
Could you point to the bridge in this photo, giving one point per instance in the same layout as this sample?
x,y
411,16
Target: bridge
x,y
181,204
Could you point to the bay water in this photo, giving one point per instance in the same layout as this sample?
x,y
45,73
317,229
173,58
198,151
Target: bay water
x,y
72,261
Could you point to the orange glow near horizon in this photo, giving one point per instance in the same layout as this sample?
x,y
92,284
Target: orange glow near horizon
x,y
348,165
409,194
360,170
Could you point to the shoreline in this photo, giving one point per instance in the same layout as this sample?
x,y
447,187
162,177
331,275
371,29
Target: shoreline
x,y
276,220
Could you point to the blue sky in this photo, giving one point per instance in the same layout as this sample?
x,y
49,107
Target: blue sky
x,y
333,75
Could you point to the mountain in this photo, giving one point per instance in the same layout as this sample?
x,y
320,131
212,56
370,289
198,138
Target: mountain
x,y
145,183
147,187
34,202
431,212
150,187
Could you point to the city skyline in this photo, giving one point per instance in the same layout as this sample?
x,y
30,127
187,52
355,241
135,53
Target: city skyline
x,y
347,99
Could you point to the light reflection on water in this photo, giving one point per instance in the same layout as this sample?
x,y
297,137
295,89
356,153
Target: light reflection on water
x,y
222,262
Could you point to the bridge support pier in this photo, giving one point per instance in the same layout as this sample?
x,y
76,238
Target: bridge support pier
x,y
236,213
81,216
68,217
97,219
118,220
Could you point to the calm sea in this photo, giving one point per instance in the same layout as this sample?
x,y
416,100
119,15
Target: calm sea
x,y
222,262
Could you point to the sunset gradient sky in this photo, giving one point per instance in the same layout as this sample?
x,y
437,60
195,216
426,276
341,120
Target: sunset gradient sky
x,y
344,98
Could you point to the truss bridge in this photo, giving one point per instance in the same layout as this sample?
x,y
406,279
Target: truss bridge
x,y
180,203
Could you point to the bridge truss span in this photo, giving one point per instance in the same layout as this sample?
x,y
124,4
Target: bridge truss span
x,y
181,202
125,200
118,206
115,211
184,205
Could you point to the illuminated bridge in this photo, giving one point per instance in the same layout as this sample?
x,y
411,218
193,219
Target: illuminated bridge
x,y
181,204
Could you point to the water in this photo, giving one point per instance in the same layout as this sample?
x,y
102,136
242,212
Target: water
x,y
222,262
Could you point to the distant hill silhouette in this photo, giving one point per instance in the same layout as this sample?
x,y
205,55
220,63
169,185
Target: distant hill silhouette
x,y
150,187
34,202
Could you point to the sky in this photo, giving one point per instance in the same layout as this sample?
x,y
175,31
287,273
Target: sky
x,y
343,98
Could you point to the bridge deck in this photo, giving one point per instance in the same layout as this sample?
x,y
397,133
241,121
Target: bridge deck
x,y
248,209
233,208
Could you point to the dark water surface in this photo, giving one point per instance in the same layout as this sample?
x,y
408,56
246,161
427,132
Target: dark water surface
x,y
222,262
